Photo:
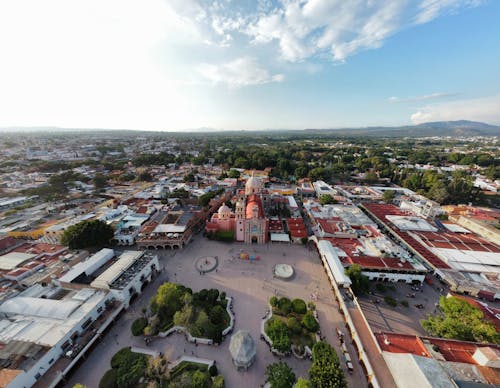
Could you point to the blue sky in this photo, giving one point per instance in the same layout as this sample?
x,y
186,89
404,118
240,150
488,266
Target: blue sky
x,y
260,64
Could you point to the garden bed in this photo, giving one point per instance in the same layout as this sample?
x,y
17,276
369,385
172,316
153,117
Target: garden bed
x,y
292,325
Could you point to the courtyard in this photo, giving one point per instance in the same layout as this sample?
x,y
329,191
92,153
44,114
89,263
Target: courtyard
x,y
250,283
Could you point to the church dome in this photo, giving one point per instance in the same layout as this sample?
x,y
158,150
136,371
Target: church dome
x,y
224,210
253,185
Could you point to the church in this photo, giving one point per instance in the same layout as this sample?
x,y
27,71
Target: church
x,y
248,221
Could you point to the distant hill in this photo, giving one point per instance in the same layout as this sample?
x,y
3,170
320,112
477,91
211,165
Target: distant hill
x,y
439,128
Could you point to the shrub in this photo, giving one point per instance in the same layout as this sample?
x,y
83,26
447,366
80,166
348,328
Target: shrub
x,y
311,306
405,303
108,380
294,325
280,375
138,326
213,370
218,382
217,315
278,333
273,301
310,323
390,301
285,305
129,366
380,287
299,306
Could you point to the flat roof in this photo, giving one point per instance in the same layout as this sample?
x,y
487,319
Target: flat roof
x,y
280,237
45,321
124,261
336,268
411,223
93,262
12,260
169,228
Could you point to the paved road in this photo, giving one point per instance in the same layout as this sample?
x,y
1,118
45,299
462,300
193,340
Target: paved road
x,y
251,285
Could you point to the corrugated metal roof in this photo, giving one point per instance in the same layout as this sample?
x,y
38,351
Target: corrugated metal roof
x,y
107,277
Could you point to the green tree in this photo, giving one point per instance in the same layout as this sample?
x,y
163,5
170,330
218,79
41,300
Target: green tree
x,y
309,322
94,233
303,383
145,176
189,177
277,331
371,177
233,173
218,315
100,181
327,199
138,326
438,192
388,196
294,325
169,299
199,379
129,366
326,371
184,316
462,321
280,375
360,283
299,306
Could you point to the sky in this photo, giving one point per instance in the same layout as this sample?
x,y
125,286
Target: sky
x,y
247,64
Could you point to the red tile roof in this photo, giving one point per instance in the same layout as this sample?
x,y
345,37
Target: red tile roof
x,y
7,243
254,200
402,343
380,211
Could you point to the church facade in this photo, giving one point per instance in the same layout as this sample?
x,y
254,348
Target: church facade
x,y
248,221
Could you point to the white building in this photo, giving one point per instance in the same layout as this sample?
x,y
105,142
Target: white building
x,y
128,275
124,276
43,325
128,229
323,188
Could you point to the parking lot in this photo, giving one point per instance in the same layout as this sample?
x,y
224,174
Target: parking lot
x,y
251,284
400,319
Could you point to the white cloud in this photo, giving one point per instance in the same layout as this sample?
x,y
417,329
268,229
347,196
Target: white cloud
x,y
485,109
425,97
431,9
240,72
343,28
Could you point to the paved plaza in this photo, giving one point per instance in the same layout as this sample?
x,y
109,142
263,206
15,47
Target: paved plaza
x,y
251,284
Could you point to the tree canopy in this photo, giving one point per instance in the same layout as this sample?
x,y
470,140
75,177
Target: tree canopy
x,y
280,375
462,321
360,283
93,233
327,199
326,371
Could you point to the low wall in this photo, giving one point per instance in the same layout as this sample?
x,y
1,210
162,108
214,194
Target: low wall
x,y
197,360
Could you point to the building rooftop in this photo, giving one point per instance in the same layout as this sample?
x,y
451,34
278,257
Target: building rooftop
x,y
11,260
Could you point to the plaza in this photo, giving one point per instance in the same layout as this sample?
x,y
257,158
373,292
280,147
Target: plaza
x,y
251,284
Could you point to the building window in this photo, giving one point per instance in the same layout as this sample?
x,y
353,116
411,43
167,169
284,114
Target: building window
x,y
51,361
87,323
